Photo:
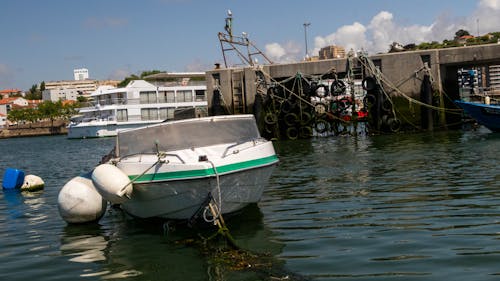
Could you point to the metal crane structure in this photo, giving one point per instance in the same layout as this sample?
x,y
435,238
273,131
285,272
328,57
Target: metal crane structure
x,y
238,44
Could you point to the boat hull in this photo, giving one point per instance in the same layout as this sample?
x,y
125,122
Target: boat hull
x,y
485,114
181,199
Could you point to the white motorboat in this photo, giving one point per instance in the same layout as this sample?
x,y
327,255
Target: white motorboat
x,y
171,170
138,104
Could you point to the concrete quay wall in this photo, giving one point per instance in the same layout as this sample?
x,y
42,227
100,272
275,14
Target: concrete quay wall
x,y
403,71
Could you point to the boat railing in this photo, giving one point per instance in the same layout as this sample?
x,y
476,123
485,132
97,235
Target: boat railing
x,y
161,154
176,156
256,141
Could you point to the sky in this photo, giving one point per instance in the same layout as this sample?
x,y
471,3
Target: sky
x,y
46,40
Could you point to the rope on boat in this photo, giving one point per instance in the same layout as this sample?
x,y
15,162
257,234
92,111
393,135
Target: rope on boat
x,y
218,206
161,159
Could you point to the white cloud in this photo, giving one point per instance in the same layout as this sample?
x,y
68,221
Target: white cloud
x,y
385,29
289,52
349,36
487,12
275,51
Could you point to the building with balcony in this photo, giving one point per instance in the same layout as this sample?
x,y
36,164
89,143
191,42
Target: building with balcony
x,y
331,52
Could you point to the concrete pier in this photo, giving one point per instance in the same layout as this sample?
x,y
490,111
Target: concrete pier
x,y
404,73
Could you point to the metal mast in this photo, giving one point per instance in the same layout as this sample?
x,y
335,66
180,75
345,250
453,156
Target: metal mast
x,y
229,42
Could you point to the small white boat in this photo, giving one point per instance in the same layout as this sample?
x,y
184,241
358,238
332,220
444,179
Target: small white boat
x,y
171,169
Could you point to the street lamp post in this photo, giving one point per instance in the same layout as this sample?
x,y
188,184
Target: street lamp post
x,y
306,24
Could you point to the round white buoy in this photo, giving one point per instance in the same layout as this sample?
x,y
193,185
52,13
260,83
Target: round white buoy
x,y
79,202
113,184
32,183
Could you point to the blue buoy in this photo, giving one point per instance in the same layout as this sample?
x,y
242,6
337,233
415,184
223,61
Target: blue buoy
x,y
12,178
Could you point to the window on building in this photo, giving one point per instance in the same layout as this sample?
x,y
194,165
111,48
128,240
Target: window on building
x,y
120,98
121,115
184,96
166,96
147,97
166,113
200,95
149,114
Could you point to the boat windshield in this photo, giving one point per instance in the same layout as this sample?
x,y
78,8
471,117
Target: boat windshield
x,y
186,134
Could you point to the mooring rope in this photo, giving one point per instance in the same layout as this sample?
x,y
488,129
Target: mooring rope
x,y
381,78
218,208
161,159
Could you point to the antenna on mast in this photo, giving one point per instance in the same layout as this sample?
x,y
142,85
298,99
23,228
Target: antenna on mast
x,y
229,42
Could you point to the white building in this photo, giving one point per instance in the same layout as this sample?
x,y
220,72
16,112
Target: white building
x,y
81,74
82,86
60,94
3,120
494,71
6,104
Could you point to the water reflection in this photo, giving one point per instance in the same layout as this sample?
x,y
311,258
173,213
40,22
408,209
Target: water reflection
x,y
83,248
387,206
122,247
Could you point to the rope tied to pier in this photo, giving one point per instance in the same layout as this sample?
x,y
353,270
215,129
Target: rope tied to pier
x,y
366,62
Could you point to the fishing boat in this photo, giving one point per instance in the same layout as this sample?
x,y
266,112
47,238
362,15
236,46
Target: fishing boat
x,y
485,114
138,104
171,170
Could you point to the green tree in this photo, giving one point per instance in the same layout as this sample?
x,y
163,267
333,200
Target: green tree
x,y
30,115
50,110
42,86
67,110
15,115
149,72
461,33
135,77
127,80
34,93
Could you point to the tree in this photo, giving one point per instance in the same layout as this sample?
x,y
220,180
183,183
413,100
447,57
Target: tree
x,y
145,73
67,110
461,33
34,93
30,114
149,72
82,99
14,116
127,80
42,86
50,110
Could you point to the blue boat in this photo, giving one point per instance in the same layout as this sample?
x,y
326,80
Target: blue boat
x,y
487,115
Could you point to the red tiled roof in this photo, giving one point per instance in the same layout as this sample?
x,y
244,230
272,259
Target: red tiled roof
x,y
8,100
8,91
66,102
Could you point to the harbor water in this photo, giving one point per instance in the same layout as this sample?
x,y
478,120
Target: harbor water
x,y
395,207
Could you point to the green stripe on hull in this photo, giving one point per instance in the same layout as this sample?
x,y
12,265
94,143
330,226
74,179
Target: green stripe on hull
x,y
206,172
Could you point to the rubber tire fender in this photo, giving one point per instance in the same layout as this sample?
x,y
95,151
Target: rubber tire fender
x,y
292,133
338,88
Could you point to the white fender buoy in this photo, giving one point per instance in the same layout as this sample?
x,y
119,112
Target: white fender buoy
x,y
32,183
79,202
113,184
